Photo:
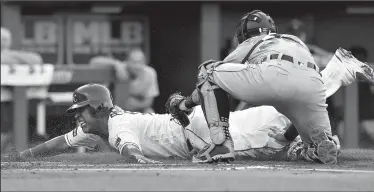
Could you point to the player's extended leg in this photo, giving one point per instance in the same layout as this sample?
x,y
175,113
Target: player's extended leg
x,y
344,69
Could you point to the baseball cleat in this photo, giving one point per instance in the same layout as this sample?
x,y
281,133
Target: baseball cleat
x,y
215,153
327,148
356,68
327,152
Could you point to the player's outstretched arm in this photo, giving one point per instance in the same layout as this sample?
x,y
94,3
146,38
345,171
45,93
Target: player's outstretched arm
x,y
52,147
74,138
291,133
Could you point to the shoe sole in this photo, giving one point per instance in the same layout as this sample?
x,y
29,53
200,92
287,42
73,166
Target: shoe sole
x,y
327,150
368,73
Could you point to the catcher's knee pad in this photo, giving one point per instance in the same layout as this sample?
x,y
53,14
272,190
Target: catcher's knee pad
x,y
205,70
217,116
202,77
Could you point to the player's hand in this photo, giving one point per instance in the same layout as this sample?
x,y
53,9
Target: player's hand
x,y
12,156
144,160
277,134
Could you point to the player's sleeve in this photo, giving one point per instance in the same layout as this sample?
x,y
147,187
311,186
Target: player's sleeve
x,y
123,132
77,138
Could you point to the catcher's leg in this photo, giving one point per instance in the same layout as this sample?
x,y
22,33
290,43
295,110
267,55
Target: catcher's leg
x,y
307,111
217,116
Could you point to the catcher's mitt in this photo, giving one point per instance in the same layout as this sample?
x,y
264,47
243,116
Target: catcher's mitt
x,y
172,107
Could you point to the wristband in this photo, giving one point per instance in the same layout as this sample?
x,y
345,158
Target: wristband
x,y
291,133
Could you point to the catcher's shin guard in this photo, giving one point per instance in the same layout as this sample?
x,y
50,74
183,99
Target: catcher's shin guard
x,y
215,104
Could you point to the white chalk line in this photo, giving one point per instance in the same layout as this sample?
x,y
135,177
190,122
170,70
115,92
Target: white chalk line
x,y
67,164
241,168
144,169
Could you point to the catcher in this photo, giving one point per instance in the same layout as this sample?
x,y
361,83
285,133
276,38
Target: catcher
x,y
279,71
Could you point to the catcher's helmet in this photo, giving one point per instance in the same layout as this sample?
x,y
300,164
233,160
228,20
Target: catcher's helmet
x,y
96,96
253,24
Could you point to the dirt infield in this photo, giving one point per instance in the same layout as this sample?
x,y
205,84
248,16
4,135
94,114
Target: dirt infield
x,y
100,172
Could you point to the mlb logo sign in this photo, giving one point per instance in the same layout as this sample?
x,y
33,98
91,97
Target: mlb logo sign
x,y
44,35
90,36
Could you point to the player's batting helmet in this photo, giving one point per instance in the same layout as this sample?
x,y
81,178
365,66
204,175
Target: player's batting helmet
x,y
253,24
96,96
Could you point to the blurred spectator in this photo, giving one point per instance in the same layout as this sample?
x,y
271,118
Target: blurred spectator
x,y
366,99
6,94
12,57
6,39
143,84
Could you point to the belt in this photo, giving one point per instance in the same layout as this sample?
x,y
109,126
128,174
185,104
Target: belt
x,y
290,59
